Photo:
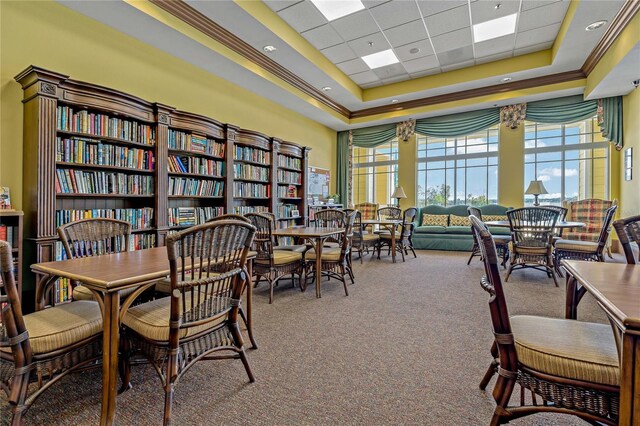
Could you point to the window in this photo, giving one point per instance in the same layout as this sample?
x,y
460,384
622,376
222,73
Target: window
x,y
462,170
375,173
570,159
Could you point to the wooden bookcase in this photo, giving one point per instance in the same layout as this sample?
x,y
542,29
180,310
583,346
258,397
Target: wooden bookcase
x,y
291,182
74,129
14,228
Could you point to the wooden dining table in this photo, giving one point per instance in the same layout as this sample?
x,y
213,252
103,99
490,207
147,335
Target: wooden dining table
x,y
316,235
106,276
391,225
616,289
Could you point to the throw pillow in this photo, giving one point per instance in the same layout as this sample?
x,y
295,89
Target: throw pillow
x,y
435,219
459,220
492,217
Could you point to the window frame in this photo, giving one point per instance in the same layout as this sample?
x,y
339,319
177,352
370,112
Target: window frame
x,y
393,146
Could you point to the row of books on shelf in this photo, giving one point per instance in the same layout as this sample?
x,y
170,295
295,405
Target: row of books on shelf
x,y
102,154
251,190
289,162
288,210
97,124
198,144
203,166
190,216
245,153
195,187
94,182
9,233
247,171
250,209
136,242
287,191
138,218
285,176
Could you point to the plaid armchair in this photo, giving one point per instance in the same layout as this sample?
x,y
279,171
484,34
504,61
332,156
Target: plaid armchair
x,y
592,212
368,212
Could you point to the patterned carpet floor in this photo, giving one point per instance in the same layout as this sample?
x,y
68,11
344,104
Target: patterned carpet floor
x,y
408,346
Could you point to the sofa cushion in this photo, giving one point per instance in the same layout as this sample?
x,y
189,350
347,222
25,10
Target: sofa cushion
x,y
498,230
435,219
459,221
430,229
492,217
458,230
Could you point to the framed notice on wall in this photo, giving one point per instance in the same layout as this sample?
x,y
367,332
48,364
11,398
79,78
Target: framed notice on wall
x,y
319,180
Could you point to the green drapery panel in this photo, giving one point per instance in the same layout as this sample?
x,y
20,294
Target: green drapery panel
x,y
611,120
448,126
561,110
342,174
370,137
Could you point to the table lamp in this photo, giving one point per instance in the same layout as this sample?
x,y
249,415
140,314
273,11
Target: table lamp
x,y
399,193
536,188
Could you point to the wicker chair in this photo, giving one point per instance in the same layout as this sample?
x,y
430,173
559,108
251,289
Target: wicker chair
x,y
362,240
572,366
44,346
301,248
562,215
403,235
331,218
368,211
200,317
585,250
272,264
335,261
531,236
628,231
591,212
94,237
501,241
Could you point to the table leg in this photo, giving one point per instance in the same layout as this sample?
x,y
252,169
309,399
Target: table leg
x,y
42,283
318,248
571,311
630,380
110,346
249,324
393,243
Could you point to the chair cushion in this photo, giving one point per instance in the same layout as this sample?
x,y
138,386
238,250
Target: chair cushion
x,y
282,257
332,254
567,348
151,320
458,230
83,293
459,221
61,326
501,239
370,237
575,245
331,244
430,229
300,248
435,219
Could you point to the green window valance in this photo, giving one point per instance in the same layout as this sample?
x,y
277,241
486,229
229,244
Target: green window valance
x,y
452,125
561,110
370,137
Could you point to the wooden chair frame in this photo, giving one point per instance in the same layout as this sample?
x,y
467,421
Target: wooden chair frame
x,y
628,231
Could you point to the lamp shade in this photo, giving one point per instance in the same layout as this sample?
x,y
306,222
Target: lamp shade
x,y
536,187
399,193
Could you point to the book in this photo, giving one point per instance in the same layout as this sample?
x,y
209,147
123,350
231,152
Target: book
x,y
5,198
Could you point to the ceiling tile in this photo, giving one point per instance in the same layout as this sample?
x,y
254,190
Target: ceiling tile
x,y
277,5
421,64
403,52
447,21
424,73
323,36
495,46
395,13
428,7
533,48
356,25
542,16
364,77
373,3
353,66
403,77
361,46
532,4
407,33
372,84
453,40
339,53
458,66
389,71
537,36
482,11
302,16
492,58
454,56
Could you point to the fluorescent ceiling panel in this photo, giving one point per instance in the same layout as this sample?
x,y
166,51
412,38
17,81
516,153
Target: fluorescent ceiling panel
x,y
495,28
334,9
381,59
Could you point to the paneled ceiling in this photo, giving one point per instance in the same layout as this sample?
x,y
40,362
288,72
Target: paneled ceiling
x,y
428,37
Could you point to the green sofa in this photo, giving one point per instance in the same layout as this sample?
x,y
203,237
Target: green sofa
x,y
455,238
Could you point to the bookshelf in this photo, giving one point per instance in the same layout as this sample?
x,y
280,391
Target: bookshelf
x,y
92,151
11,230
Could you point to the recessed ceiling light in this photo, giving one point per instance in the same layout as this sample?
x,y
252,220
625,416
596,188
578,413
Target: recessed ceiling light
x,y
497,6
394,101
504,80
414,50
333,10
595,25
269,48
495,28
380,59
326,88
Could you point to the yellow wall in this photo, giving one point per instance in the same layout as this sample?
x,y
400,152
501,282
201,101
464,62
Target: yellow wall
x,y
54,37
630,190
511,167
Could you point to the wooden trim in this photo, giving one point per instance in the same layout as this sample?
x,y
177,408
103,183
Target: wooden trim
x,y
202,23
472,93
619,23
